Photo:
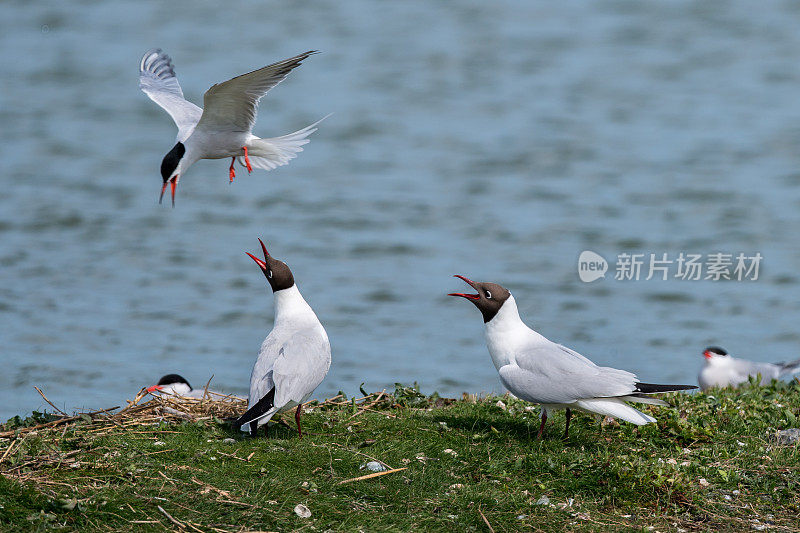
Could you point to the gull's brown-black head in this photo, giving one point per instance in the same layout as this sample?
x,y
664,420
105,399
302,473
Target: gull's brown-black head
x,y
277,272
169,169
714,351
489,299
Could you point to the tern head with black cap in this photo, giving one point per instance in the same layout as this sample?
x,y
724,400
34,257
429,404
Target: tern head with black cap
x,y
714,353
277,272
170,169
489,299
175,164
171,384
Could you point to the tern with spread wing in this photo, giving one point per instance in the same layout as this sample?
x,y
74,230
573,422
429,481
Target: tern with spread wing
x,y
295,356
722,370
538,370
223,128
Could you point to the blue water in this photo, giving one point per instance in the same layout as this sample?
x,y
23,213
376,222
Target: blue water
x,y
492,139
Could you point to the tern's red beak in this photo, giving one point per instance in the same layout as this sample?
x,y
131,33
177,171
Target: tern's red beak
x,y
173,182
154,388
464,295
708,355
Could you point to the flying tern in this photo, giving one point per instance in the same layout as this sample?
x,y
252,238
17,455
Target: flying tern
x,y
223,127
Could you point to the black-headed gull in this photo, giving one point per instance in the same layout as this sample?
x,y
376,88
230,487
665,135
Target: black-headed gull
x,y
722,370
538,370
223,128
295,356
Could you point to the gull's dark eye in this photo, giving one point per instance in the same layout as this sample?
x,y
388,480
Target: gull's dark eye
x,y
269,274
488,295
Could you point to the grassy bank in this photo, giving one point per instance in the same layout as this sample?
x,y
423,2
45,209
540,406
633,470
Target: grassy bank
x,y
712,463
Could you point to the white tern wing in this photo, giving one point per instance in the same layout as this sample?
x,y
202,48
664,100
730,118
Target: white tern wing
x,y
232,105
744,369
157,80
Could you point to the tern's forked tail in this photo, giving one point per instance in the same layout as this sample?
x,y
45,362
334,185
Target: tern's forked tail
x,y
274,152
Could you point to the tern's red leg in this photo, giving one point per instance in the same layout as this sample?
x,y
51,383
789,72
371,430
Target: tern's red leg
x,y
247,160
566,429
297,419
541,428
231,172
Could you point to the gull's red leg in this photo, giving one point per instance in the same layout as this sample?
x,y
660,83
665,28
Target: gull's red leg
x,y
541,427
231,172
297,419
247,160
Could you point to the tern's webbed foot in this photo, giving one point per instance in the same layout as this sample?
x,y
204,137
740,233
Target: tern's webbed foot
x,y
247,160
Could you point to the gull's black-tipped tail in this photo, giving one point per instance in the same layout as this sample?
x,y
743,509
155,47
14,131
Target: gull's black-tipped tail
x,y
258,410
650,388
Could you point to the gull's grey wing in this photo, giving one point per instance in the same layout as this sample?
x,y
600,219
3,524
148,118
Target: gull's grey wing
x,y
157,80
551,373
303,363
232,105
261,381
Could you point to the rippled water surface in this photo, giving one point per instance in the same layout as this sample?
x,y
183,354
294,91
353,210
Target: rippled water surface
x,y
492,139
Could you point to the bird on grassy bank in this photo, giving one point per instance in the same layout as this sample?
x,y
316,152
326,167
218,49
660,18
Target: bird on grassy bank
x,y
223,127
295,356
538,370
176,385
722,370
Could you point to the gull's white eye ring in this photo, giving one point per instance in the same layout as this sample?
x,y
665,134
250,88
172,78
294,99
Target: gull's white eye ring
x,y
488,294
269,274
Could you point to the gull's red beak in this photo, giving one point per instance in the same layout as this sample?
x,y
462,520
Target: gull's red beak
x,y
154,388
258,261
464,295
264,248
173,182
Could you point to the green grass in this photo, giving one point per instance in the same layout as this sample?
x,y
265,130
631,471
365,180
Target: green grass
x,y
711,463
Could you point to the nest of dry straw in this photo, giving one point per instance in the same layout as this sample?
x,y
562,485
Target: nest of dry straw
x,y
211,408
144,409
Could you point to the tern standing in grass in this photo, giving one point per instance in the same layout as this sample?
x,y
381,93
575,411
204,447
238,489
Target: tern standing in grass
x,y
722,370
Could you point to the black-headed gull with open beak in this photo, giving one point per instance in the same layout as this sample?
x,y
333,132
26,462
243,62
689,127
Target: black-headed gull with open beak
x,y
223,128
295,356
538,370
